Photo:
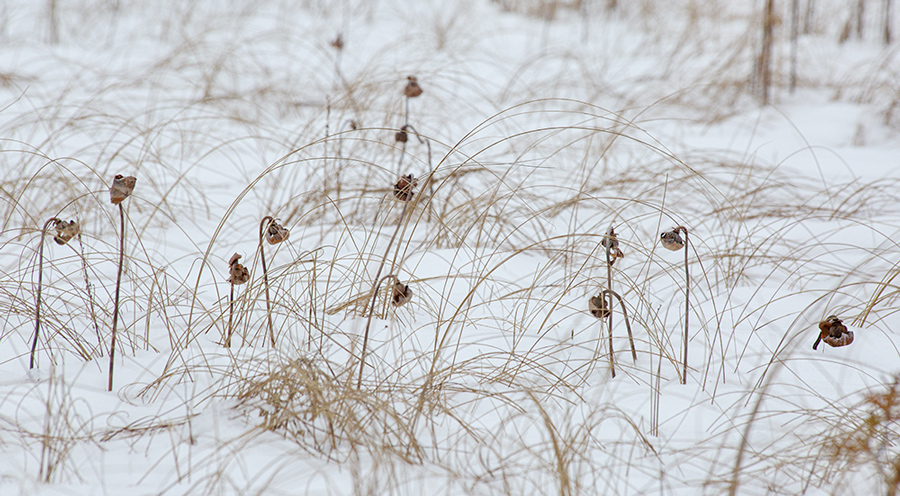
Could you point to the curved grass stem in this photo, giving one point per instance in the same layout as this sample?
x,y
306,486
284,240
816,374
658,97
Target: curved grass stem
x,y
112,347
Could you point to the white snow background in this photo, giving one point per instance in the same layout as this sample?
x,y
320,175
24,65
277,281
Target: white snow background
x,y
542,123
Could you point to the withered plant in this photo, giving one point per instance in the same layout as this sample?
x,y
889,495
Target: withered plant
x,y
65,231
237,275
673,241
121,189
404,190
274,233
601,306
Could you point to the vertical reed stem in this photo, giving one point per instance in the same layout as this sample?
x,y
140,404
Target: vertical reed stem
x,y
112,348
266,222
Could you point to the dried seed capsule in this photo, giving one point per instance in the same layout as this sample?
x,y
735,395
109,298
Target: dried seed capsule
x,y
672,240
403,190
611,242
599,307
412,88
834,333
401,136
401,294
338,42
121,188
65,231
238,274
276,233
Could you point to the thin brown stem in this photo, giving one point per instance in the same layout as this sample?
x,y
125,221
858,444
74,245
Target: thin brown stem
x,y
263,226
230,316
687,300
37,308
112,348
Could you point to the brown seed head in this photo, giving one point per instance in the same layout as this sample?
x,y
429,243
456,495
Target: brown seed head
x,y
338,42
401,294
403,190
65,231
237,273
598,307
121,188
276,233
672,240
412,88
401,136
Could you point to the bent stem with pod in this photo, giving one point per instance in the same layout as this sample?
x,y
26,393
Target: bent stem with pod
x,y
65,231
601,306
671,240
120,190
274,233
403,191
237,275
401,294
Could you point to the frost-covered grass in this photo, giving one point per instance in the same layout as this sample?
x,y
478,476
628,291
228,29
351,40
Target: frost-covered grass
x,y
541,125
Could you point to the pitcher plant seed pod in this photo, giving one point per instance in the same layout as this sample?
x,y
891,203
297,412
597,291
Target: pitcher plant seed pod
x,y
276,233
403,190
401,136
611,242
121,188
401,294
65,231
238,274
672,240
599,307
833,332
412,88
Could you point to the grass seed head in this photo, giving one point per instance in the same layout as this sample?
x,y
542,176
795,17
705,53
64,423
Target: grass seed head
x,y
412,88
121,188
65,231
238,274
401,294
403,190
276,233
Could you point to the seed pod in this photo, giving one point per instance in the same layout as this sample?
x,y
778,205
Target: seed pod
x,y
401,136
238,274
400,294
834,333
611,242
338,42
121,188
403,190
276,233
65,231
599,307
412,88
672,240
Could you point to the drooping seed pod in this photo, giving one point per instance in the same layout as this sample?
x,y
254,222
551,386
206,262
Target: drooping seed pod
x,y
412,88
238,274
403,190
611,242
834,333
599,307
338,42
65,231
671,239
401,136
121,188
401,294
276,233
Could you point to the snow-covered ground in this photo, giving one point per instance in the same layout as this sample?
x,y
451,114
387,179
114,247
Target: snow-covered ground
x,y
541,124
